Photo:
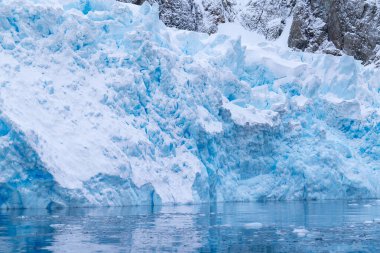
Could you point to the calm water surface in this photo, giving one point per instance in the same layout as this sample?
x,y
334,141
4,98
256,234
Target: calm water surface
x,y
233,227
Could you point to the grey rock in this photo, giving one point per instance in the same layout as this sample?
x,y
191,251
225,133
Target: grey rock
x,y
337,27
267,17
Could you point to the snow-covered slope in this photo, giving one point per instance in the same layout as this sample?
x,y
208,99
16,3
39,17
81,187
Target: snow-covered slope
x,y
101,104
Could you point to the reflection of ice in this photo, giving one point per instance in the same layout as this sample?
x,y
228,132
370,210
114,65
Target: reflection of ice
x,y
73,238
286,227
129,229
169,231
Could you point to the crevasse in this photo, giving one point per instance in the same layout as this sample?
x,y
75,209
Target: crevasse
x,y
101,104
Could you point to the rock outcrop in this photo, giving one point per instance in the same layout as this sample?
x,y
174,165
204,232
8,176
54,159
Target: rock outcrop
x,y
337,27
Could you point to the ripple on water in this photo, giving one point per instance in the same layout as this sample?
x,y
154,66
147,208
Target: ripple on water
x,y
236,227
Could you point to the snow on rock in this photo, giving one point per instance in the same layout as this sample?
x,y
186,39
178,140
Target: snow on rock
x,y
101,104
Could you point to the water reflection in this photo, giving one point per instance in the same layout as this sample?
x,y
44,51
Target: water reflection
x,y
232,227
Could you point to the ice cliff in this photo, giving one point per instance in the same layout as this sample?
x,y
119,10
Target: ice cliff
x,y
101,104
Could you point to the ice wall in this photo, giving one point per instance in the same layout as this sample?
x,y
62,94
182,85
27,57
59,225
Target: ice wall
x,y
101,104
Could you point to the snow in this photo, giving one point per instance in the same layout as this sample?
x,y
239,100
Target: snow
x,y
282,41
301,101
250,116
235,30
206,121
101,104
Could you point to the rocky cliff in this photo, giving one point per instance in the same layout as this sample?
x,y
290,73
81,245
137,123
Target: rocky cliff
x,y
337,27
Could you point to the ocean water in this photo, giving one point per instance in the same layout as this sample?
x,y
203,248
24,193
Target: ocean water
x,y
328,226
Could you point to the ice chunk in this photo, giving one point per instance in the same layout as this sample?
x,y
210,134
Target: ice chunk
x,y
253,225
251,116
300,232
207,122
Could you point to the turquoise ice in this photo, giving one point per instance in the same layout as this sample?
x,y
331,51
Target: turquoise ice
x,y
102,105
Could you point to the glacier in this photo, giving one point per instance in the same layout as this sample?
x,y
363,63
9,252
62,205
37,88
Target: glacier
x,y
102,105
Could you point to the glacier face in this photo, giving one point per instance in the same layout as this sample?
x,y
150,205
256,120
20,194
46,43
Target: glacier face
x,y
101,104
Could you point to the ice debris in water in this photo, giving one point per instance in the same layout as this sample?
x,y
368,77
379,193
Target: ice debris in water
x,y
253,225
300,232
101,104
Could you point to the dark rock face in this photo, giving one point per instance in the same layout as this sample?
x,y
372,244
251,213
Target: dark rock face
x,y
335,27
308,31
181,14
355,29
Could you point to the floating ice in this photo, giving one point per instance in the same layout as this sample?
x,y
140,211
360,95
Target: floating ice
x,y
300,232
253,225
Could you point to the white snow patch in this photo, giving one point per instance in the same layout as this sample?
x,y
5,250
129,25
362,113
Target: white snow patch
x,y
250,115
